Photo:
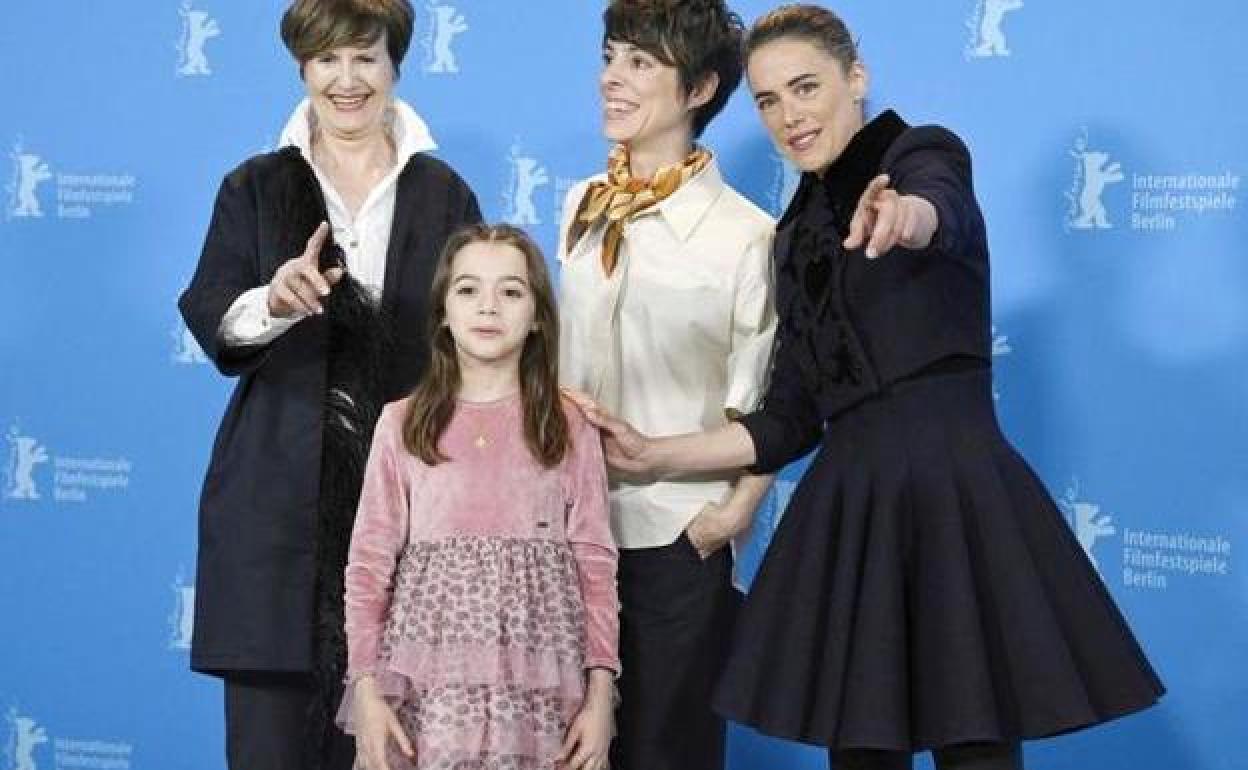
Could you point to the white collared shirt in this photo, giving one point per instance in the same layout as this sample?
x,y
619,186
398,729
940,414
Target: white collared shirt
x,y
677,336
363,238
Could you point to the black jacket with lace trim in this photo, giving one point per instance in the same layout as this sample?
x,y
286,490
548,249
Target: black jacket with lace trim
x,y
849,327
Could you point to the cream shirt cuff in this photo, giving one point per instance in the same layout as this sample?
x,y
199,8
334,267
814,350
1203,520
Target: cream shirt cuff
x,y
248,321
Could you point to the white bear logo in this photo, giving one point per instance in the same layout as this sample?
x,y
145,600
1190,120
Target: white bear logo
x,y
1000,344
185,348
784,184
25,453
988,37
182,619
29,171
527,174
1089,523
27,735
1093,173
197,29
447,22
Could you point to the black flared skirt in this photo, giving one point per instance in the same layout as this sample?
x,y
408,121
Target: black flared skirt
x,y
923,590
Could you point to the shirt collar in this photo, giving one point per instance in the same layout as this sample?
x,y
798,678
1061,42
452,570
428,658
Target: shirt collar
x,y
685,207
409,131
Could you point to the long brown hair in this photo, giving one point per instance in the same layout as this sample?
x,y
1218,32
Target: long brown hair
x,y
432,403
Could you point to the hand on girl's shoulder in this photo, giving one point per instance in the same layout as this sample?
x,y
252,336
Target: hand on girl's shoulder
x,y
574,404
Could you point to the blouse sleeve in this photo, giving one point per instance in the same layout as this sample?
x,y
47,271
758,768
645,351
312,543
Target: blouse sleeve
x,y
589,535
379,535
787,425
753,328
249,322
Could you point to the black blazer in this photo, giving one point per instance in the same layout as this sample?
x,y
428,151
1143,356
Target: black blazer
x,y
255,579
850,326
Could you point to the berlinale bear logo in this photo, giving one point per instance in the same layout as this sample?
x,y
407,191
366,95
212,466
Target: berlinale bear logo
x,y
445,22
987,37
186,349
29,170
182,618
24,454
1089,523
784,183
527,174
26,736
197,28
1093,173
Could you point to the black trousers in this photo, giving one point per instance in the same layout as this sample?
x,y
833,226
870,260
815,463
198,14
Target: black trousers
x,y
266,724
676,616
970,756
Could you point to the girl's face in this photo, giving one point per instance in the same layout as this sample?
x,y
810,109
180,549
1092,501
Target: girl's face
x,y
490,307
642,98
350,88
809,103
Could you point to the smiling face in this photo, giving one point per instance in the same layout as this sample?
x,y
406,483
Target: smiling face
x,y
809,101
643,100
490,305
350,88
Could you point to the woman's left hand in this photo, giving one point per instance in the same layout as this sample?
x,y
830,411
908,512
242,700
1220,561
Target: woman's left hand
x,y
588,739
713,527
885,219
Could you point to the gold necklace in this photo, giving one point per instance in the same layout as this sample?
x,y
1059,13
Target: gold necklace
x,y
481,438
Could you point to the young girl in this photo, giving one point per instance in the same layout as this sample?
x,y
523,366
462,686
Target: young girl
x,y
481,611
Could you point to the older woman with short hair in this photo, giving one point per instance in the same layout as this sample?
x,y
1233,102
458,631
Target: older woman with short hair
x,y
318,255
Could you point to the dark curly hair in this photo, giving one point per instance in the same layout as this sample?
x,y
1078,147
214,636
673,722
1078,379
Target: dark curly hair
x,y
697,37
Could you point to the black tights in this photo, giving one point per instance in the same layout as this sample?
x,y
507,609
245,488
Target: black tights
x,y
966,756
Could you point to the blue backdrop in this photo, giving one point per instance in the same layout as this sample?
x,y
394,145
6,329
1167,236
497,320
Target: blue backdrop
x,y
1108,145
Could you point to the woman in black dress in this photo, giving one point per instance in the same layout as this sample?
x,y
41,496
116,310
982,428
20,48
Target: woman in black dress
x,y
923,592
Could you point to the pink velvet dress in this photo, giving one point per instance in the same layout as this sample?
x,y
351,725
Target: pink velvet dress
x,y
479,590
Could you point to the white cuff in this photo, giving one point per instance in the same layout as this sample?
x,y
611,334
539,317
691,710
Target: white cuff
x,y
248,321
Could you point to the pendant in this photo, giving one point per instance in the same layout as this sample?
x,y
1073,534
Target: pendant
x,y
481,441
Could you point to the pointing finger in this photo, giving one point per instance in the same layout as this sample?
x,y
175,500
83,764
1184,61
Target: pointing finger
x,y
882,236
312,252
875,187
864,214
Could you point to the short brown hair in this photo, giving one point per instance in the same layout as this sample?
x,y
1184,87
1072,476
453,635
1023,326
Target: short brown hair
x,y
810,23
697,37
311,27
432,404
